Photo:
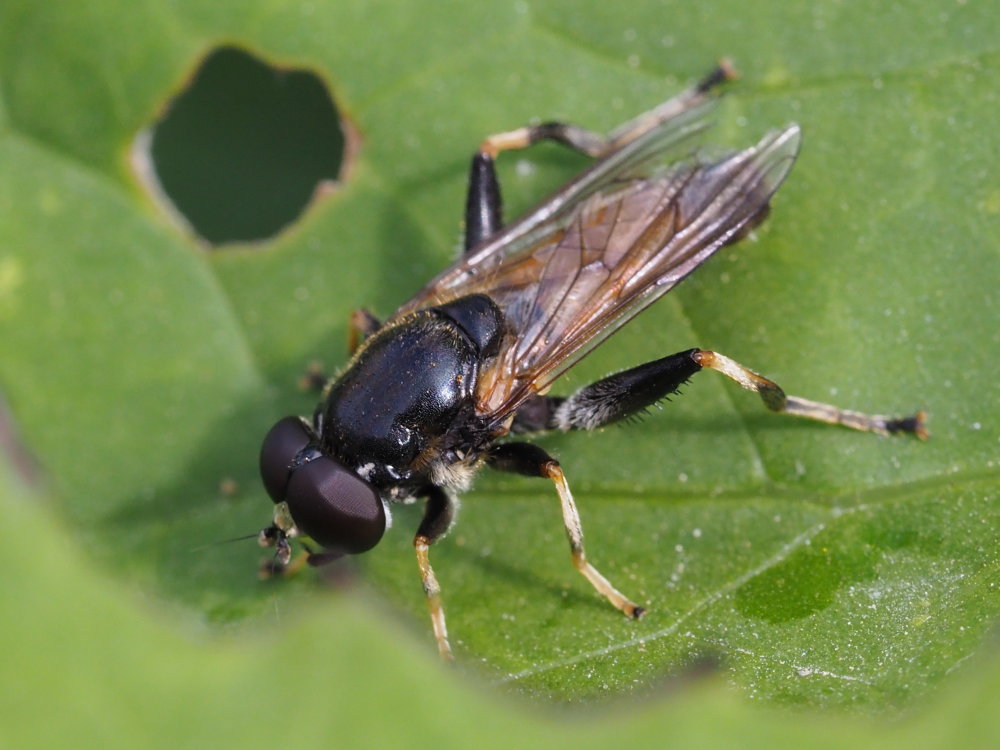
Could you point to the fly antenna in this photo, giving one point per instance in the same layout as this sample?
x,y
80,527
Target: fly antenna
x,y
255,535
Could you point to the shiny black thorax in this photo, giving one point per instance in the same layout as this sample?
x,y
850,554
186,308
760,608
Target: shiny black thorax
x,y
407,397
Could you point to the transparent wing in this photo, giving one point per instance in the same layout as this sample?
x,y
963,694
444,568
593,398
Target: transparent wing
x,y
617,252
590,257
666,134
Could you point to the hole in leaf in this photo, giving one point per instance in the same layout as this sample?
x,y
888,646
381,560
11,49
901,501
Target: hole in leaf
x,y
242,150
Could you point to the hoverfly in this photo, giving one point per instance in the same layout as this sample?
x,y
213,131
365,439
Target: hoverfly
x,y
429,393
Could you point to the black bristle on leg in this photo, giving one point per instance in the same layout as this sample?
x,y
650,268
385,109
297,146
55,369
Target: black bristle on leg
x,y
625,394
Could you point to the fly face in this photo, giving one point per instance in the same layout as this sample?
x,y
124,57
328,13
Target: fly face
x,y
429,395
316,495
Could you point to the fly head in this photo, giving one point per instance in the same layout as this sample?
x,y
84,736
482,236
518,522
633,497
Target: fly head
x,y
316,495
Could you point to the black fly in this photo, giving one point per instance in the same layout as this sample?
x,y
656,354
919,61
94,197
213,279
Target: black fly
x,y
429,393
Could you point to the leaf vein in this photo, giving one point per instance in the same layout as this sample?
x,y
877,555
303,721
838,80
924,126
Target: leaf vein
x,y
801,539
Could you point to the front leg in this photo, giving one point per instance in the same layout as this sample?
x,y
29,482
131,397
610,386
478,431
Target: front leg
x,y
532,461
438,516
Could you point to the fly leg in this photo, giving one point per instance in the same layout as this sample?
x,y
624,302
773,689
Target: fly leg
x,y
361,325
532,461
281,564
484,204
632,391
313,379
775,399
438,516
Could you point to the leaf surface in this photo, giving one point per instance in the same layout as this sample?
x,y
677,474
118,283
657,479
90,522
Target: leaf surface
x,y
819,567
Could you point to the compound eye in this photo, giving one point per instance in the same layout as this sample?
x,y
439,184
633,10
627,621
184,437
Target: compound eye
x,y
335,506
281,445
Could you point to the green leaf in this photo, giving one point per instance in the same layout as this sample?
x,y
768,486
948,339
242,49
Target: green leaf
x,y
818,567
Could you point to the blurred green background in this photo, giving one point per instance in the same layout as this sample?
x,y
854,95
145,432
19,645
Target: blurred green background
x,y
844,585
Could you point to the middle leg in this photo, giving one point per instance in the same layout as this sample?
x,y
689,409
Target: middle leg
x,y
438,517
532,461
